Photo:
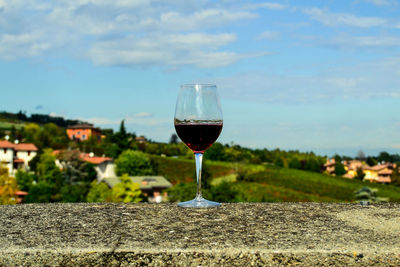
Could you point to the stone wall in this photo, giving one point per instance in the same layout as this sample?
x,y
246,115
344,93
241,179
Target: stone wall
x,y
260,234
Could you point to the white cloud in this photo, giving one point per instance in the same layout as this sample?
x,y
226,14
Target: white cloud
x,y
101,121
356,42
206,18
375,79
172,49
344,19
267,5
121,32
22,45
269,35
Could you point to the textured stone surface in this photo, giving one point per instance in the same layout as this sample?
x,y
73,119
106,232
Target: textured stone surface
x,y
233,235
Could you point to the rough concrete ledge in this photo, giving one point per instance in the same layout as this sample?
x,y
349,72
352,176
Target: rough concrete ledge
x,y
304,234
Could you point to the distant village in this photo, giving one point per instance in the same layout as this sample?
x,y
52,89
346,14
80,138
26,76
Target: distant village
x,y
380,173
16,156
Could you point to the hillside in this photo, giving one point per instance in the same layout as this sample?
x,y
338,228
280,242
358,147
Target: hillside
x,y
178,170
274,184
7,125
281,184
7,119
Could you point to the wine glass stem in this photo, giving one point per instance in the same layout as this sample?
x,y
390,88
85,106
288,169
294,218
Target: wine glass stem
x,y
199,160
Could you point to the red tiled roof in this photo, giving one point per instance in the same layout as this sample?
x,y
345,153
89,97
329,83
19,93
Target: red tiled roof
x,y
389,172
84,156
18,161
384,179
21,193
6,144
18,147
25,147
95,160
376,167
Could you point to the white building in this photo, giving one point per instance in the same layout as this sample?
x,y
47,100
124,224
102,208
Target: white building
x,y
104,166
16,156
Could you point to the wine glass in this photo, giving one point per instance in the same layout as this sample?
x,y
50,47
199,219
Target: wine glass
x,y
198,123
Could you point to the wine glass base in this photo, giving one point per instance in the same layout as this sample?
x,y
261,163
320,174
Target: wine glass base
x,y
199,203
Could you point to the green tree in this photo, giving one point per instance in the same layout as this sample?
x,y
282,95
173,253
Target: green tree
x,y
174,139
371,161
133,163
313,165
52,136
396,176
224,192
76,170
99,192
8,187
32,131
215,152
74,193
279,162
25,180
48,175
360,174
121,139
384,157
13,134
294,163
126,191
41,192
339,169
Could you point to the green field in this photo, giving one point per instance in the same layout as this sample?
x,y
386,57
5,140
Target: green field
x,y
274,184
5,125
182,170
281,184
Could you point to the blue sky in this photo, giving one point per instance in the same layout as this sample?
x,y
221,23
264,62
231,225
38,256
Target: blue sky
x,y
308,75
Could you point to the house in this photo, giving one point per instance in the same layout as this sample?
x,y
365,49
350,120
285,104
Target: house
x,y
16,156
379,173
83,132
151,186
351,168
140,139
104,166
329,166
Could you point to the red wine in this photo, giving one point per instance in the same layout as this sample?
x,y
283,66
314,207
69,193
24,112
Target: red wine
x,y
198,136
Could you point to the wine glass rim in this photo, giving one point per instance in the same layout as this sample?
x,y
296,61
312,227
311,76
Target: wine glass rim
x,y
198,84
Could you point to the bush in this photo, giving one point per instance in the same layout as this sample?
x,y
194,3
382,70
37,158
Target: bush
x,y
99,192
24,180
40,193
126,191
339,169
74,193
224,192
134,163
